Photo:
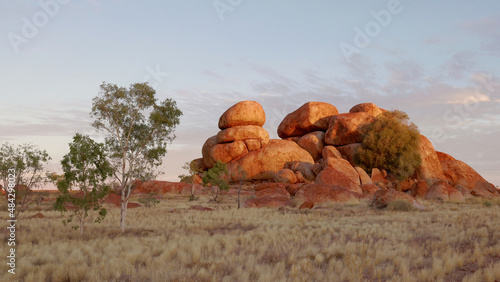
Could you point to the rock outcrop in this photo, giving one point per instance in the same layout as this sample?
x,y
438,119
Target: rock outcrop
x,y
318,146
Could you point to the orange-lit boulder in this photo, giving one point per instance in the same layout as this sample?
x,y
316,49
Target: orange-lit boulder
x,y
311,116
273,157
243,113
345,129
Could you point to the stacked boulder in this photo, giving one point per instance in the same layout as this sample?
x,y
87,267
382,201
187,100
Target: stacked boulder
x,y
316,153
241,132
244,144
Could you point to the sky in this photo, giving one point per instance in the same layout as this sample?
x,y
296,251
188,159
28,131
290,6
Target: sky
x,y
439,61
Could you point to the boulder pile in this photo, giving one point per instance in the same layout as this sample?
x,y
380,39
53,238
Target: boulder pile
x,y
315,156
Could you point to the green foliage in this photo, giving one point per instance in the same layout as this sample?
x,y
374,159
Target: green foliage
x,y
149,200
391,142
191,171
26,163
27,160
217,176
85,167
137,129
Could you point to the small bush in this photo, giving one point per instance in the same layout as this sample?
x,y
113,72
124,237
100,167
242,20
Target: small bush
x,y
149,200
487,204
400,205
391,142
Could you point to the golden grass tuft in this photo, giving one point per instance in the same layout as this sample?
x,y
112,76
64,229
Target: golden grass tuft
x,y
169,242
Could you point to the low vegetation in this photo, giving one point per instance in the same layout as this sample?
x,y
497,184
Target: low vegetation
x,y
446,242
391,142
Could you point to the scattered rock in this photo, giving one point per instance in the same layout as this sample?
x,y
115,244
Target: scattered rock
x,y
243,113
306,205
293,188
364,178
345,129
320,193
285,176
441,190
268,202
300,177
438,191
382,198
311,116
344,167
331,176
304,168
419,189
369,189
37,215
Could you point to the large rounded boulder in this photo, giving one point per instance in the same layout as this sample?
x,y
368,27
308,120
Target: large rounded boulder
x,y
313,143
345,129
243,113
243,132
369,108
331,176
461,176
311,116
273,157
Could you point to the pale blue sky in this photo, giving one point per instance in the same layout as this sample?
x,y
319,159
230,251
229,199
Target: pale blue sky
x,y
429,59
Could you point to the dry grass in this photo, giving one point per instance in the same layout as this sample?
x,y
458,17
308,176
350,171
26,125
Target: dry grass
x,y
447,242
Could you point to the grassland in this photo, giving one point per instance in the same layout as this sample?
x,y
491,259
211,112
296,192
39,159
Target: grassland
x,y
169,242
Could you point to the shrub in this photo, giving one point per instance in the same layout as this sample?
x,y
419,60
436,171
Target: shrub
x,y
217,177
400,205
149,200
391,143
